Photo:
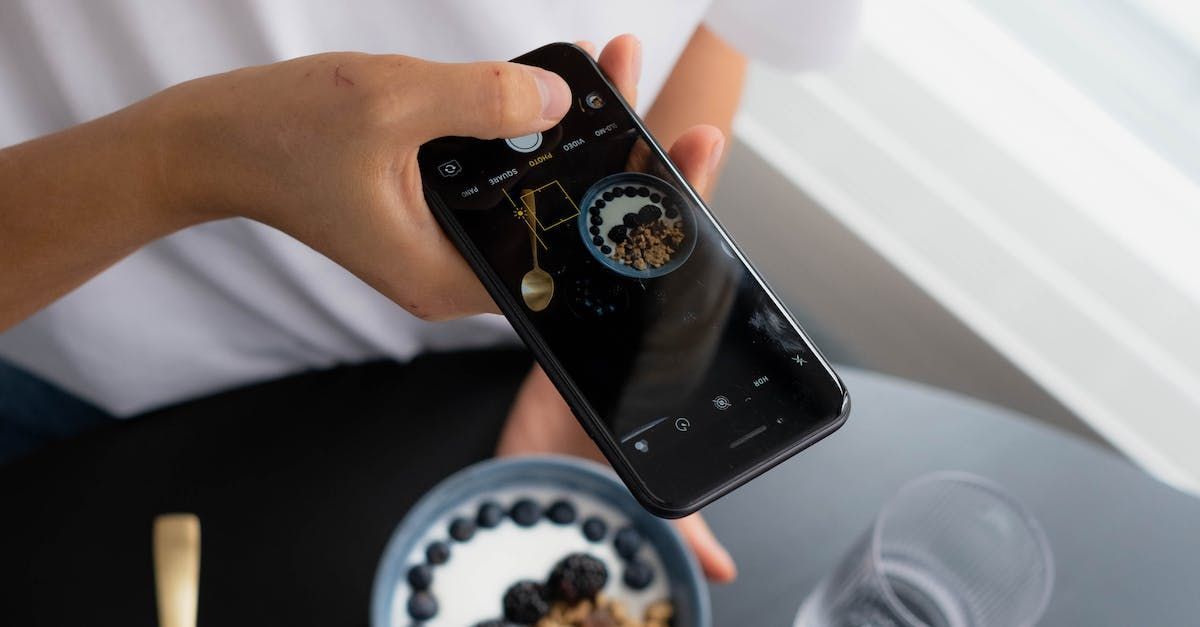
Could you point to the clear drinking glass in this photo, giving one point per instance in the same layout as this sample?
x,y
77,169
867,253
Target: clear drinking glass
x,y
948,550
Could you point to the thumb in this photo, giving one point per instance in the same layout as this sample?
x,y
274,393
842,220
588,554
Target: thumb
x,y
491,99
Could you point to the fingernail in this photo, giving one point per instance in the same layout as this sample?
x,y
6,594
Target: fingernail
x,y
637,61
556,96
714,157
730,566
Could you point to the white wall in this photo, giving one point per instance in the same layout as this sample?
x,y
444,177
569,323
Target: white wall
x,y
978,222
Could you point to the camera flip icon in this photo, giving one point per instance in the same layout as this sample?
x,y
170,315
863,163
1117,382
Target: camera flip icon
x,y
449,168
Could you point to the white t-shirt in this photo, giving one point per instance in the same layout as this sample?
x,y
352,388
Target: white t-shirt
x,y
231,302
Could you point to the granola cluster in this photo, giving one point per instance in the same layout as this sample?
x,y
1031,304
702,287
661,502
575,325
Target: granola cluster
x,y
649,245
605,612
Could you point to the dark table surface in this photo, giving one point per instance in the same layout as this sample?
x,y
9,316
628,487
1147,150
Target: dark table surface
x,y
299,482
1126,547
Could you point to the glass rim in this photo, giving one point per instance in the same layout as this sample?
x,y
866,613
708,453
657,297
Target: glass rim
x,y
978,483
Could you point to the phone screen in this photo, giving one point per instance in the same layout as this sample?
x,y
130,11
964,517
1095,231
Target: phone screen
x,y
686,362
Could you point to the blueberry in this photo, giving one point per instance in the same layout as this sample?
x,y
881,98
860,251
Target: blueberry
x,y
627,542
643,192
630,191
606,249
654,198
420,577
462,529
495,622
422,606
597,220
437,553
490,514
672,212
594,230
597,240
561,512
638,575
649,213
617,192
526,512
631,220
607,196
594,529
599,204
618,233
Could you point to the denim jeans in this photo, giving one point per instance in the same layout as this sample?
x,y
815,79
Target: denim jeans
x,y
34,412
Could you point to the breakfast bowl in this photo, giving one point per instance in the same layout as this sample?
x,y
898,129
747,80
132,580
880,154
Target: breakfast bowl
x,y
515,541
637,225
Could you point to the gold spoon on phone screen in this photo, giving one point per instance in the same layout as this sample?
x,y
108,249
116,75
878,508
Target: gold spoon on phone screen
x,y
177,568
537,286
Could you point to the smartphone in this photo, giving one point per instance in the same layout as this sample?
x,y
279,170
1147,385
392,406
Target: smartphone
x,y
678,360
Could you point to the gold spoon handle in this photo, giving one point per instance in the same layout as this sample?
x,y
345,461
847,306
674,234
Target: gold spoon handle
x,y
532,223
177,568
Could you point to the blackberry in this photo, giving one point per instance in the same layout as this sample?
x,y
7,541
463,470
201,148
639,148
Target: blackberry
x,y
638,575
577,577
525,602
495,622
490,514
648,214
561,512
461,529
594,529
631,220
437,553
420,577
422,606
627,542
618,233
526,512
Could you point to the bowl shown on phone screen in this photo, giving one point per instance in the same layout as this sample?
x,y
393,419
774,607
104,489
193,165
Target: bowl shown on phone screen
x,y
637,225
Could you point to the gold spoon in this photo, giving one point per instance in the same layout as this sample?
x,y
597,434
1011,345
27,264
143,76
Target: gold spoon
x,y
537,286
177,568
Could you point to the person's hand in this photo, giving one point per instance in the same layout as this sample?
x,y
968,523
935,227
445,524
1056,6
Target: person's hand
x,y
540,421
325,148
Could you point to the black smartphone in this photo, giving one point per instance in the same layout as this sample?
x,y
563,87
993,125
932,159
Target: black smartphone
x,y
677,359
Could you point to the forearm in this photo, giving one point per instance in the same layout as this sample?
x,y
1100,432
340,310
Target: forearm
x,y
704,88
75,202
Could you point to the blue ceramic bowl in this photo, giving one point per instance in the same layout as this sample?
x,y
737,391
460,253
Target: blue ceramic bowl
x,y
669,193
687,585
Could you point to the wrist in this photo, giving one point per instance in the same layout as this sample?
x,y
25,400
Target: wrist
x,y
177,146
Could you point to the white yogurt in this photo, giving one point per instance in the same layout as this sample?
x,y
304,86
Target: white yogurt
x,y
470,587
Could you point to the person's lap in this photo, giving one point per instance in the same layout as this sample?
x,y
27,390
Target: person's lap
x,y
34,413
298,484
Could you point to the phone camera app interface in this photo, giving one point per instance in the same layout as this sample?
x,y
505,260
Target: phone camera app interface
x,y
648,309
